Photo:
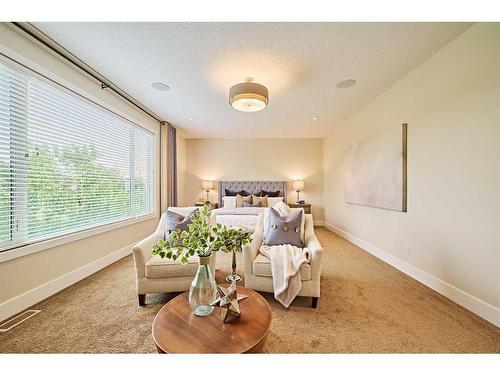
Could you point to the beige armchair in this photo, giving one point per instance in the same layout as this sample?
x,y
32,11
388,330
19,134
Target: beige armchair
x,y
157,275
258,275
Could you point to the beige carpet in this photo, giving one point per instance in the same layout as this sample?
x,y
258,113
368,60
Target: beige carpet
x,y
366,306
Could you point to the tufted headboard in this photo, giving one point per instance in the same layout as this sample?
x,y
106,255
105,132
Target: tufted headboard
x,y
253,187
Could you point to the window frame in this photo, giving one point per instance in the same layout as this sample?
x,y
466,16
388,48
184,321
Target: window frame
x,y
77,234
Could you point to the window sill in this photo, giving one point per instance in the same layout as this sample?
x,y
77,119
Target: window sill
x,y
58,241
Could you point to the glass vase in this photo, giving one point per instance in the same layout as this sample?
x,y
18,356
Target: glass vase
x,y
203,290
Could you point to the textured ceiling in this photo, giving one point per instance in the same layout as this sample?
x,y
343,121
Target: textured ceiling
x,y
300,63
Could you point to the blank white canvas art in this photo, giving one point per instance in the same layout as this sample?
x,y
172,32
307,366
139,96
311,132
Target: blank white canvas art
x,y
375,173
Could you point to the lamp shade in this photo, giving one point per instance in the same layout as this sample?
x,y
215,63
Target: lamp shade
x,y
248,96
207,185
298,185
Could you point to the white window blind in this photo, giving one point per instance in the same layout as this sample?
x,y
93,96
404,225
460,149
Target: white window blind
x,y
66,164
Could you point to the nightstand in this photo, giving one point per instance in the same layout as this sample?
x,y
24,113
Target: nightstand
x,y
305,206
201,204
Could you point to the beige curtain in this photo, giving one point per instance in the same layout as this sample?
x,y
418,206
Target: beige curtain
x,y
171,166
163,167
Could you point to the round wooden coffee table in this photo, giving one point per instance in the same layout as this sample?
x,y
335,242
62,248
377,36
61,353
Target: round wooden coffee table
x,y
177,330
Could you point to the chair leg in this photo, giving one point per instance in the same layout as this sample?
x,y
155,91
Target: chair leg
x,y
314,302
142,299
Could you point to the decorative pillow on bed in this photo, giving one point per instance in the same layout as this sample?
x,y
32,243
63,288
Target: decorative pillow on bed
x,y
253,204
240,199
261,200
272,201
272,194
177,222
230,193
229,202
284,230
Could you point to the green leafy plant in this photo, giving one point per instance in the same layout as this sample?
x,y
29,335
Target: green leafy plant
x,y
64,190
201,238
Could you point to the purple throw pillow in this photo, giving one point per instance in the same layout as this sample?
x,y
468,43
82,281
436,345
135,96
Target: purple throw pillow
x,y
284,230
177,223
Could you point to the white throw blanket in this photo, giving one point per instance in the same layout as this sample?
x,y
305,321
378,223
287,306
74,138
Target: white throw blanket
x,y
286,261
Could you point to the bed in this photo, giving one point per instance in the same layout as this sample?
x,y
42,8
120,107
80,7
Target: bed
x,y
245,217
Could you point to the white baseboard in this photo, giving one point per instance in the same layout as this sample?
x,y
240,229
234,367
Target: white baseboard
x,y
319,223
477,306
33,296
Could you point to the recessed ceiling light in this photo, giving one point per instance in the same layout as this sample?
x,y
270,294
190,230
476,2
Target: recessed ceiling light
x,y
315,118
191,119
346,84
160,86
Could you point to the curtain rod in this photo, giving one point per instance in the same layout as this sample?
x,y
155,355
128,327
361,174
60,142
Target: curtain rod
x,y
48,42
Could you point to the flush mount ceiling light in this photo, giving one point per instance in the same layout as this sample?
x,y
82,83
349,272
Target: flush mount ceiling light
x,y
160,86
346,84
248,96
315,118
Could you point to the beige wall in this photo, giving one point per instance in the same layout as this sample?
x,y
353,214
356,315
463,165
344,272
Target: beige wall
x,y
452,106
22,274
255,159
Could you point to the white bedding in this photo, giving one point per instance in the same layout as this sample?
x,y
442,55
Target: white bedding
x,y
255,211
241,217
245,222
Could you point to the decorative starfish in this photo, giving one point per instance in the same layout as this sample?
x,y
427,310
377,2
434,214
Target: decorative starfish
x,y
228,299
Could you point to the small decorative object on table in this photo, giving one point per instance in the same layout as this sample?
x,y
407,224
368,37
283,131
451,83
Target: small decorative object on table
x,y
201,239
233,276
228,300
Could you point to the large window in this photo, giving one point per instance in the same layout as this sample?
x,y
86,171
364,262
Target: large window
x,y
66,164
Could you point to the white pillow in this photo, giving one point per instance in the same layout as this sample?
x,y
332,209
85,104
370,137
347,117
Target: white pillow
x,y
229,202
282,208
272,201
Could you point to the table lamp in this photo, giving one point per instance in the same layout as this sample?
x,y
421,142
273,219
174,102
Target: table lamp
x,y
298,185
207,186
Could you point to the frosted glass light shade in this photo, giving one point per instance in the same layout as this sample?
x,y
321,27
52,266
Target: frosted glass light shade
x,y
298,185
207,185
248,97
